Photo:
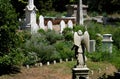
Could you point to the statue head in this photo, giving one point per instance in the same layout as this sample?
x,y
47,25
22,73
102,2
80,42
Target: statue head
x,y
79,32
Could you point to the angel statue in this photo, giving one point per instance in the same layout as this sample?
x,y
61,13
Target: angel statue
x,y
81,43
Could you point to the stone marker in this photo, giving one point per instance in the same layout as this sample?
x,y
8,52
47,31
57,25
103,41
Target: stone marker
x,y
48,63
30,17
54,61
70,24
27,66
92,45
66,60
50,25
62,26
80,13
41,64
72,59
107,43
41,22
61,61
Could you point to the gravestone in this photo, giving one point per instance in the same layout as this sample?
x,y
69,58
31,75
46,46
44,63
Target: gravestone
x,y
54,61
62,26
50,25
48,63
41,22
80,13
30,17
41,64
107,43
92,45
70,24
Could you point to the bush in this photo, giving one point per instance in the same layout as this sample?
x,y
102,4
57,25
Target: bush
x,y
52,36
64,49
10,63
99,56
116,37
68,35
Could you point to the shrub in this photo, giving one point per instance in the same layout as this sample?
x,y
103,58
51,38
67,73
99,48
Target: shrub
x,y
64,49
68,34
52,36
116,37
10,63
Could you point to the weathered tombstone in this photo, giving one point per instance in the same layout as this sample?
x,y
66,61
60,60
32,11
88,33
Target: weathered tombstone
x,y
27,66
36,65
72,59
80,70
70,24
62,26
54,61
48,63
61,61
30,17
50,25
41,22
107,43
41,64
92,45
66,60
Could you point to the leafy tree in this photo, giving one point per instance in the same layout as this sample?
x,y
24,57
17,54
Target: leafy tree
x,y
8,15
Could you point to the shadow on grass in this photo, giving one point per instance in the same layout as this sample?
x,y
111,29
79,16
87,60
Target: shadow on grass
x,y
9,70
116,76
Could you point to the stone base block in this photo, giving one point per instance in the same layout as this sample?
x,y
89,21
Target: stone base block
x,y
80,73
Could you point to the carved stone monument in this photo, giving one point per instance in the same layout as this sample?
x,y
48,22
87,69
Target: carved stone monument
x,y
30,17
81,42
107,43
80,13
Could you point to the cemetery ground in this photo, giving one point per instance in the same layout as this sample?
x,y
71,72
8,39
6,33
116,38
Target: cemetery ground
x,y
61,71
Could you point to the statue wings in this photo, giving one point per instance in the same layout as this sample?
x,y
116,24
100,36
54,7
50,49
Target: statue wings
x,y
86,40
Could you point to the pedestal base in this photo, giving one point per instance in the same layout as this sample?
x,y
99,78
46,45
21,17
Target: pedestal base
x,y
80,73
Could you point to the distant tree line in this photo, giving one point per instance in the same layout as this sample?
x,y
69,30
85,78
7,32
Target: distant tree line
x,y
108,6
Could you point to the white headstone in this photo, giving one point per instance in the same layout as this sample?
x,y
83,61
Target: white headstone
x,y
27,66
34,28
70,24
41,22
62,26
61,61
48,63
66,60
50,25
41,64
54,61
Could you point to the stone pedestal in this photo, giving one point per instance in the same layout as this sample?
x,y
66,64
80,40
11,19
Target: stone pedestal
x,y
80,73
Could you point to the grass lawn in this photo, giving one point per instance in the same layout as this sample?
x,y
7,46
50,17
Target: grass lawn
x,y
61,71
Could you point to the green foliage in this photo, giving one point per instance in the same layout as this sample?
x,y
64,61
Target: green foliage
x,y
10,39
99,56
78,27
11,62
68,35
116,37
64,49
8,15
52,36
